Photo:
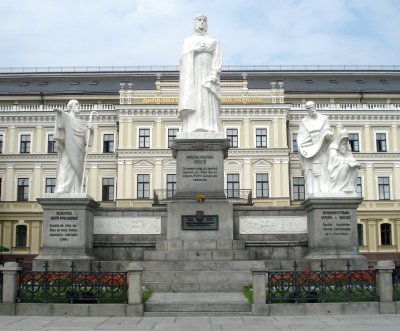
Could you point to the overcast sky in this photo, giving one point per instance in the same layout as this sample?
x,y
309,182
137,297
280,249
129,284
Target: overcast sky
x,y
150,32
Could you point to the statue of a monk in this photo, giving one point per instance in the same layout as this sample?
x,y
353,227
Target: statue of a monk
x,y
72,138
199,85
313,139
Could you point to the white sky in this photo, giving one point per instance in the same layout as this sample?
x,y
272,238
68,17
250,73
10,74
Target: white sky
x,y
150,32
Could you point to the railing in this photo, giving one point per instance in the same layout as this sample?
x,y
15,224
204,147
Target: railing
x,y
349,106
321,286
236,196
396,284
51,107
72,287
160,68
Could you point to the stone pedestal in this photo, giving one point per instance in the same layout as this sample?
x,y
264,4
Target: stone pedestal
x,y
199,209
332,230
200,167
67,232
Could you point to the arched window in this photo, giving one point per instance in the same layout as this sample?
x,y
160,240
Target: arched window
x,y
386,234
20,236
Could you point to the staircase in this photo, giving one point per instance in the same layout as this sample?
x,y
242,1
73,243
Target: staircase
x,y
198,277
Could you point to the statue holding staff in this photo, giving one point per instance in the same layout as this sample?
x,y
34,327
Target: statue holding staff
x,y
72,136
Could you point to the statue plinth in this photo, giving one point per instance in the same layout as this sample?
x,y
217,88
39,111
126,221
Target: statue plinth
x,y
332,229
67,232
199,209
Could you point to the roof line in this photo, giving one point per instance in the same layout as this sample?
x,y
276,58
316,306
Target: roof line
x,y
174,68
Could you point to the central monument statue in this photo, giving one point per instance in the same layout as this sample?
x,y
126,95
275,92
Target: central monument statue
x,y
199,85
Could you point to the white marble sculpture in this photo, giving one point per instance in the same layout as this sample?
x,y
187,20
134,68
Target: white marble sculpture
x,y
72,136
342,166
313,138
199,85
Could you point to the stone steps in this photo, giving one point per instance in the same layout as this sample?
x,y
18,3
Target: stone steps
x,y
196,276
197,304
200,255
222,265
184,287
204,244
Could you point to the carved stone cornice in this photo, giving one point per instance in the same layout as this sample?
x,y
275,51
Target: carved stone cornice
x,y
200,145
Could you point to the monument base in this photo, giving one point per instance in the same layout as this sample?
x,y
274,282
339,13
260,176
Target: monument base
x,y
67,233
332,230
191,220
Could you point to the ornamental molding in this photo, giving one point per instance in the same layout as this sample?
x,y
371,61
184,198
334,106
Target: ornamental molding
x,y
127,225
272,224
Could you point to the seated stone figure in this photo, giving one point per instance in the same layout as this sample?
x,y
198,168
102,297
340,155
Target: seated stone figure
x,y
342,166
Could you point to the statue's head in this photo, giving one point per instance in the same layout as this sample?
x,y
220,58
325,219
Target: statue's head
x,y
200,24
310,107
73,105
343,141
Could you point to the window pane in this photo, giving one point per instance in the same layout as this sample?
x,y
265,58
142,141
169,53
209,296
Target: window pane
x,y
143,186
23,189
298,188
354,142
51,144
20,235
232,134
262,189
360,232
261,137
108,189
25,146
171,185
108,143
386,234
295,147
50,185
233,186
144,138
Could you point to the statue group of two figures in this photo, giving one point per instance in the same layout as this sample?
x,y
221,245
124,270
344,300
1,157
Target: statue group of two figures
x,y
329,167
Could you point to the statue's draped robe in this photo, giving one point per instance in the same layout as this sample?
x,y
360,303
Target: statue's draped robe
x,y
343,177
313,152
70,135
199,97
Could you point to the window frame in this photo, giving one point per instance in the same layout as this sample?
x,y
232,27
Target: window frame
x,y
2,144
48,134
139,136
267,185
141,183
17,190
266,136
237,136
103,186
46,186
167,133
20,142
167,190
103,142
292,142
293,186
358,141
362,241
359,185
16,241
390,234
386,141
228,183
379,186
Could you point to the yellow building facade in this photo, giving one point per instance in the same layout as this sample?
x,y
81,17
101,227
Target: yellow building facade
x,y
135,115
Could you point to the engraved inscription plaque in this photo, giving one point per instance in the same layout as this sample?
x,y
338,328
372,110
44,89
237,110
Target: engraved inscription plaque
x,y
200,222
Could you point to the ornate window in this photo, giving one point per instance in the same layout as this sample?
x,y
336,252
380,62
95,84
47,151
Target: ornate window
x,y
51,144
23,189
233,135
261,137
143,186
384,188
171,185
386,234
298,188
381,144
232,184
21,232
50,185
295,147
107,189
354,142
262,188
172,135
25,143
144,138
108,143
